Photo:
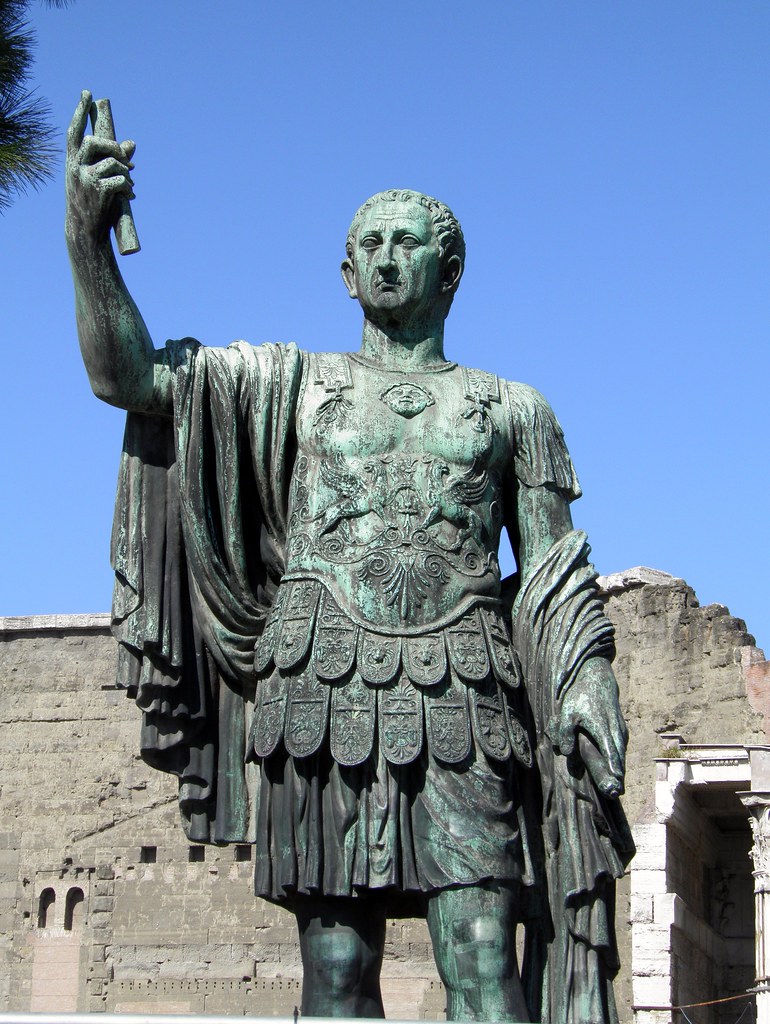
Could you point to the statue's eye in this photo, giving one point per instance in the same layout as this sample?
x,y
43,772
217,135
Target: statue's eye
x,y
410,242
369,242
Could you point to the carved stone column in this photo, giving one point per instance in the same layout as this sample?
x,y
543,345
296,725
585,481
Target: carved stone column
x,y
758,804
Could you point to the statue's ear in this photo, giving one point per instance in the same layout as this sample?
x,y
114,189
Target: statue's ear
x,y
452,271
349,277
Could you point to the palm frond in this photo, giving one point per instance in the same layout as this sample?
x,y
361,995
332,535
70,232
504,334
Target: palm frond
x,y
28,147
27,140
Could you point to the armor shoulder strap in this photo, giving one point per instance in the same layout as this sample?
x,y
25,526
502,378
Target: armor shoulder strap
x,y
478,385
331,370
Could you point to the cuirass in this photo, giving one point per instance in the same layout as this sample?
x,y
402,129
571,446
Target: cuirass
x,y
395,503
388,617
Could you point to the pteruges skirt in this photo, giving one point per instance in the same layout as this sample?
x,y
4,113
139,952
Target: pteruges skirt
x,y
410,783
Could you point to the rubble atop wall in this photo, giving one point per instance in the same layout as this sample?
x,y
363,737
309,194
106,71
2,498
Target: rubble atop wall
x,y
682,668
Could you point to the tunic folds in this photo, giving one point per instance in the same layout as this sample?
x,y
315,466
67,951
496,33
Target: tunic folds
x,y
338,800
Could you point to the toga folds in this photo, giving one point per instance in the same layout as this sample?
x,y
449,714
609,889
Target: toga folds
x,y
199,552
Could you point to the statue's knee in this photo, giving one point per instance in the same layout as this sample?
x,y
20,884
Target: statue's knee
x,y
484,947
340,959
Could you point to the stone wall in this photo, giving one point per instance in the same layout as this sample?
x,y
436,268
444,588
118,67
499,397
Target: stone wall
x,y
164,926
682,668
684,671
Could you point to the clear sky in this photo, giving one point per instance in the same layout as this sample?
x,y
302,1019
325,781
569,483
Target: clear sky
x,y
609,162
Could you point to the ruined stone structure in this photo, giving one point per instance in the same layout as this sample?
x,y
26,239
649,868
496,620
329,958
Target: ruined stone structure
x,y
690,674
105,906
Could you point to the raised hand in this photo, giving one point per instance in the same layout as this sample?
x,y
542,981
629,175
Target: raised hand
x,y
98,175
591,719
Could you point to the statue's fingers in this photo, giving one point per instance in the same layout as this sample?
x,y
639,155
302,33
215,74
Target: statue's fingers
x,y
619,736
77,126
129,148
117,186
96,147
595,760
111,168
613,750
115,183
565,734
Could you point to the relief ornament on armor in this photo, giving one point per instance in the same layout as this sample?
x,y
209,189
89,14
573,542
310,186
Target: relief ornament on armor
x,y
422,525
410,514
407,399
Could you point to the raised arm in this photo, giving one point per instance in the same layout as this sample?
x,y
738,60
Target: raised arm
x,y
123,367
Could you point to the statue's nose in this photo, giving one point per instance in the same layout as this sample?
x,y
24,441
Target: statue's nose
x,y
385,260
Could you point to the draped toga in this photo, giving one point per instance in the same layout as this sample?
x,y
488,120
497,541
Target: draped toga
x,y
207,570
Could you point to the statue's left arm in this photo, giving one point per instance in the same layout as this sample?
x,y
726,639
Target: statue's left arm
x,y
565,643
589,715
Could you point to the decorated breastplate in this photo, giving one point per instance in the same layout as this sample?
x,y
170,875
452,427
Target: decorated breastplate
x,y
395,505
387,630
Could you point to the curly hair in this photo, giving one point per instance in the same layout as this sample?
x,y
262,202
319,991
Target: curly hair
x,y
449,234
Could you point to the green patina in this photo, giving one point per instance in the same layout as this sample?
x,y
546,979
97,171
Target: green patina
x,y
311,616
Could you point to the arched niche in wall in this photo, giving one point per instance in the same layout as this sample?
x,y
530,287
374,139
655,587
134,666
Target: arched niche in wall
x,y
45,908
74,909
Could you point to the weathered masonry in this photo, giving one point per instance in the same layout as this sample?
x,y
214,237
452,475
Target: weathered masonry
x,y
104,906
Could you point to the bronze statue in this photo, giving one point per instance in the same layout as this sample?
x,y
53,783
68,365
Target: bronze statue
x,y
312,619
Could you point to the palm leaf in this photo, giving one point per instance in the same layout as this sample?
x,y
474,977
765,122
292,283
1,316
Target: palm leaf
x,y
27,140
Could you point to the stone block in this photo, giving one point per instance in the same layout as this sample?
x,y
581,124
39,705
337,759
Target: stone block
x,y
403,997
158,937
651,938
53,951
266,952
650,847
652,964
648,882
49,1003
155,1006
652,1017
9,860
665,908
641,908
100,919
9,890
237,933
57,973
652,991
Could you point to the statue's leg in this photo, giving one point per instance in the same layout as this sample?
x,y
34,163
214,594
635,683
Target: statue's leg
x,y
341,941
474,942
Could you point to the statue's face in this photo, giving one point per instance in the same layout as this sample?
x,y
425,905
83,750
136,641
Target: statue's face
x,y
395,271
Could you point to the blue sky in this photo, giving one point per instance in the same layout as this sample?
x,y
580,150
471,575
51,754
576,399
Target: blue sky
x,y
609,163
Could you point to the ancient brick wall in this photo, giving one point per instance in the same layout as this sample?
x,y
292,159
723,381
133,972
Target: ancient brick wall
x,y
157,928
683,669
165,926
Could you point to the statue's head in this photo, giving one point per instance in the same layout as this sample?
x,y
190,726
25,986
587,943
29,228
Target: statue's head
x,y
405,254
